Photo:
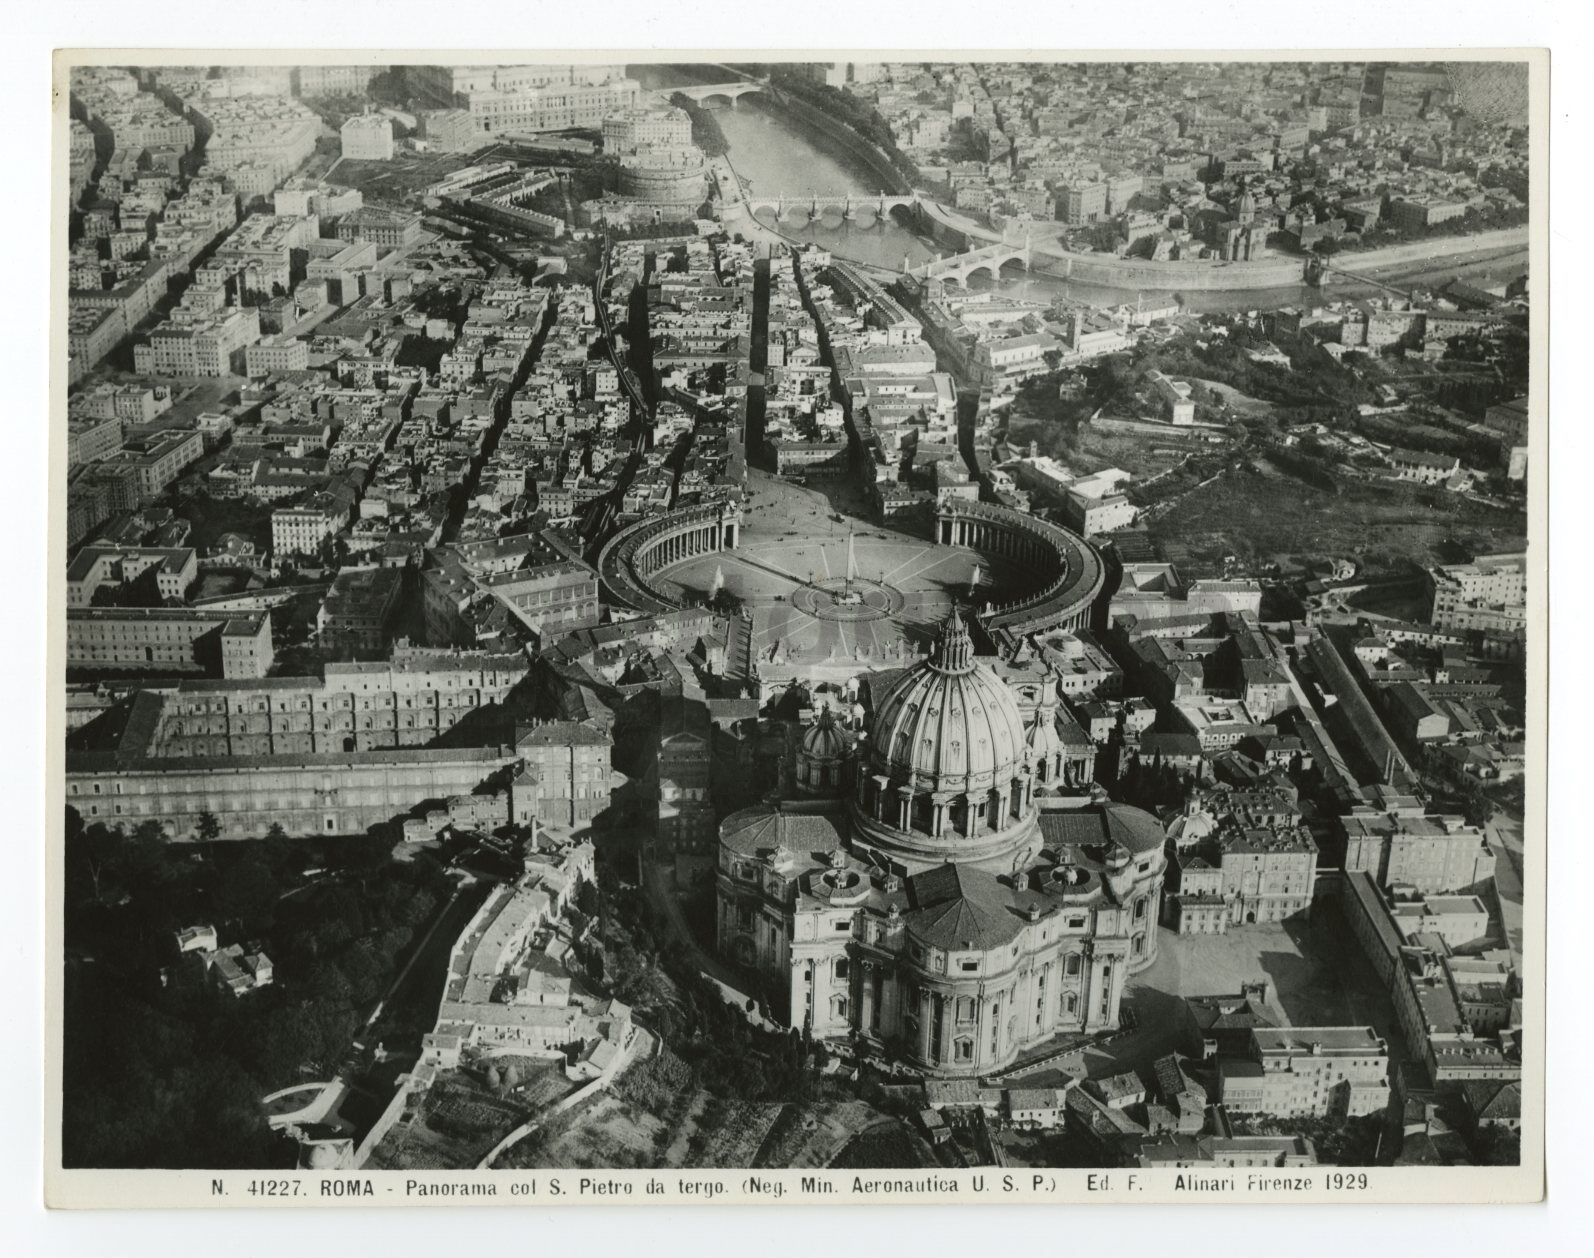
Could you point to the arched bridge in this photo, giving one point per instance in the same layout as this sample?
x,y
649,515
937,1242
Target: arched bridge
x,y
733,92
812,205
989,259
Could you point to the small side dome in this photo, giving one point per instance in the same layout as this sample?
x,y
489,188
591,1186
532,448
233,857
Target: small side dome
x,y
823,740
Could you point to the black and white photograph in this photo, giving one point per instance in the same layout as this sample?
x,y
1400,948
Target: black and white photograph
x,y
798,629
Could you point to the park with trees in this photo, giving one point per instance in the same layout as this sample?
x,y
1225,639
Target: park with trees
x,y
161,1066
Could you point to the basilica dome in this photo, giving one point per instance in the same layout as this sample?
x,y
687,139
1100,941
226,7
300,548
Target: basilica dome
x,y
948,723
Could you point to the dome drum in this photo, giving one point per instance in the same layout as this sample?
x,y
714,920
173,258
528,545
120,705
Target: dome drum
x,y
997,851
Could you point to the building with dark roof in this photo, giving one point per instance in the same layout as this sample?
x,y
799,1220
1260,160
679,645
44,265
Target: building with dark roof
x,y
1492,1102
358,611
1222,1025
169,640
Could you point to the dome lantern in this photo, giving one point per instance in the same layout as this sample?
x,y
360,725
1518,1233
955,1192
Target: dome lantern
x,y
954,649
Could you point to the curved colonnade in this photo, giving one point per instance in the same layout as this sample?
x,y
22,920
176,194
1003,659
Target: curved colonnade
x,y
1074,572
630,558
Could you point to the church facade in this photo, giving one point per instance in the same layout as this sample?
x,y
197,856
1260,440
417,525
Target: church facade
x,y
927,888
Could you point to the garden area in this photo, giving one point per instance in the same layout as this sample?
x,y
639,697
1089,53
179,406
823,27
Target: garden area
x,y
161,1067
1262,514
655,1117
885,1146
1312,387
213,518
633,1125
466,1112
1339,1141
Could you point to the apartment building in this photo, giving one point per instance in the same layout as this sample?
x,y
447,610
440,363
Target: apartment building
x,y
1307,1072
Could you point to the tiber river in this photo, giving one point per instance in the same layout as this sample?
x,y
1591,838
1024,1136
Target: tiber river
x,y
774,157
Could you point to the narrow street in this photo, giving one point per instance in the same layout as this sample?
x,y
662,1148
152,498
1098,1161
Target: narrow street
x,y
607,508
500,421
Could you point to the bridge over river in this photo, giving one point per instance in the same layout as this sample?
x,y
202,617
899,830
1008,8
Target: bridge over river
x,y
851,207
989,259
710,94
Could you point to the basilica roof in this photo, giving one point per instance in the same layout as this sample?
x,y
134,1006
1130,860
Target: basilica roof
x,y
1133,829
959,908
762,831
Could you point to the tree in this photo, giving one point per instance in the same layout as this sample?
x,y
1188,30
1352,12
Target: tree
x,y
1479,805
248,890
208,827
327,982
503,1077
275,831
91,864
1495,1145
365,970
142,860
391,943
